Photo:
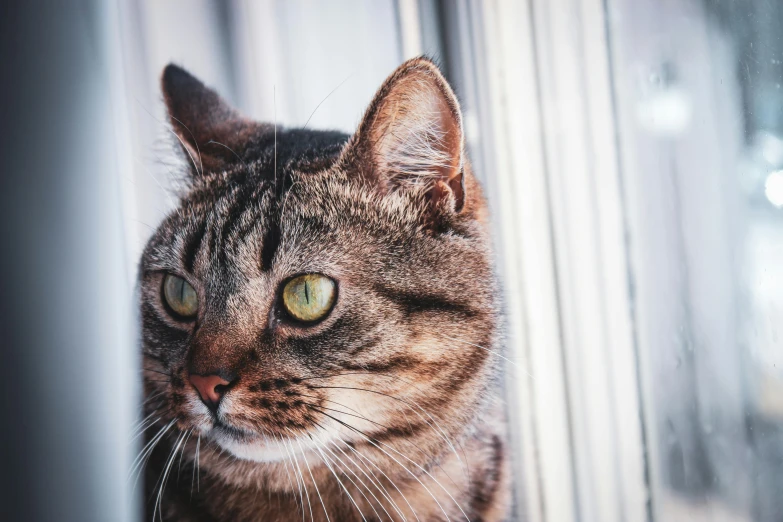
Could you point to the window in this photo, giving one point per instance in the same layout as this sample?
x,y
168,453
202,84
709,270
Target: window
x,y
636,150
632,154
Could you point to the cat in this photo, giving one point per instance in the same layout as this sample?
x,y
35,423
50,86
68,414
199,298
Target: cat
x,y
321,320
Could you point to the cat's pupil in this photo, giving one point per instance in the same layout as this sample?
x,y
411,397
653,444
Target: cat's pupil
x,y
309,297
180,296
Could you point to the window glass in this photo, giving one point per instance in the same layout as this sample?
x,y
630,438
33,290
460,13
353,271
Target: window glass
x,y
700,129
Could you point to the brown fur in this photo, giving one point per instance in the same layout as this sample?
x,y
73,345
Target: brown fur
x,y
388,408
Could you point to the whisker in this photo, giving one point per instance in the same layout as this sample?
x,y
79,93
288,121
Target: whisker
x,y
326,98
185,148
274,104
230,150
375,374
140,460
314,483
287,195
442,432
182,453
329,400
304,484
439,428
406,441
375,481
299,482
394,485
350,497
153,397
156,371
158,183
164,477
348,468
195,142
142,422
144,428
492,352
195,466
287,472
388,428
376,444
319,408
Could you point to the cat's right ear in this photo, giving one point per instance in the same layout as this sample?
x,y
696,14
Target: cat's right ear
x,y
411,137
213,135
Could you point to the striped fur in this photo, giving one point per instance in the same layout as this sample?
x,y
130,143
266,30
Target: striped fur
x,y
388,409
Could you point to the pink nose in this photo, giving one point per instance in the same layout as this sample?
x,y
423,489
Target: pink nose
x,y
210,387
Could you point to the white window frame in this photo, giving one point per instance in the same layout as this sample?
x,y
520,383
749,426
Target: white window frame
x,y
553,182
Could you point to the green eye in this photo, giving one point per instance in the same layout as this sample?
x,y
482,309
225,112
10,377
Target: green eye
x,y
309,297
180,296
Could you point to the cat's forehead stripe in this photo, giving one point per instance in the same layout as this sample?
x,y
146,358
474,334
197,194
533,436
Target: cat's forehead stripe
x,y
235,209
240,216
244,214
192,245
269,245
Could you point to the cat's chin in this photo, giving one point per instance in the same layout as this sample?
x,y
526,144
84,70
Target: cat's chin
x,y
255,451
258,449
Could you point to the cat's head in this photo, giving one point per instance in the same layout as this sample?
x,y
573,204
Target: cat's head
x,y
313,286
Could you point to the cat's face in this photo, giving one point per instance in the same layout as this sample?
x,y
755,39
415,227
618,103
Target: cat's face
x,y
312,287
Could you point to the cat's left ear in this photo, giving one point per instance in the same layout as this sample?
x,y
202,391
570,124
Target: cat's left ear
x,y
213,134
411,136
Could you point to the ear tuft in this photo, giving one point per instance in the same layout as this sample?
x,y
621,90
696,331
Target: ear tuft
x,y
411,136
212,134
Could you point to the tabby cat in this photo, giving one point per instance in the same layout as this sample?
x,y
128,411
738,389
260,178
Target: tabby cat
x,y
321,319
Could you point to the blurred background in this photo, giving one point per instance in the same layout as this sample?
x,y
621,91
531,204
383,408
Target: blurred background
x,y
632,153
